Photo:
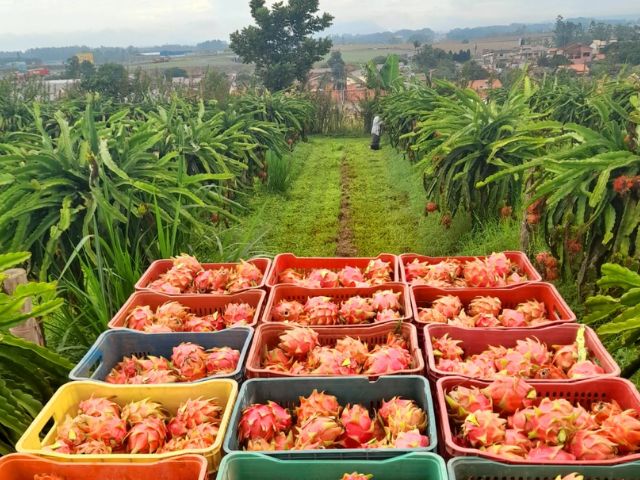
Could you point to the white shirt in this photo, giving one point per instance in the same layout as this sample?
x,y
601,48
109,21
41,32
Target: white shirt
x,y
377,123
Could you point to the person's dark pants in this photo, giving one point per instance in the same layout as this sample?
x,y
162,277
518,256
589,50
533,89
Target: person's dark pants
x,y
375,142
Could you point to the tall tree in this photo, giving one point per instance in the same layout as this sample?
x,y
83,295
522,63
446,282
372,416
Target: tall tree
x,y
281,44
338,72
566,32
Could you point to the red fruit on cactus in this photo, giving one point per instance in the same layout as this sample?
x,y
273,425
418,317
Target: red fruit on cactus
x,y
484,305
99,407
509,394
624,430
190,360
321,311
449,305
318,403
483,428
585,369
431,315
140,317
385,359
358,426
447,348
534,350
258,421
544,453
478,274
462,401
147,436
318,432
356,310
136,412
590,445
350,276
411,439
222,360
431,207
565,356
287,311
512,318
298,342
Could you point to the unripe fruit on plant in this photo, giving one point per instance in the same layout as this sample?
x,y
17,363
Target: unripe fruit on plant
x,y
430,207
533,218
506,211
446,221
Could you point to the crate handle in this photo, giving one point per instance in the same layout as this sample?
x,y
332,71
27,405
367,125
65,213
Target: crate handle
x,y
93,356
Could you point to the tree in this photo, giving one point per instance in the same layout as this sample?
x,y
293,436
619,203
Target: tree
x,y
554,62
472,70
566,32
72,68
281,44
110,79
338,72
175,72
429,57
215,86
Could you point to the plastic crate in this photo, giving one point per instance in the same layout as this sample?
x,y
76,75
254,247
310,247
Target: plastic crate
x,y
159,267
112,345
253,466
288,260
470,468
518,258
301,294
65,401
200,305
267,334
287,392
584,392
17,466
476,340
557,309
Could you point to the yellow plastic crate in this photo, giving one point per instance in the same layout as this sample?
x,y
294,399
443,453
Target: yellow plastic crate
x,y
170,396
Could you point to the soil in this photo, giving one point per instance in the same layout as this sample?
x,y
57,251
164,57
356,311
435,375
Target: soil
x,y
345,245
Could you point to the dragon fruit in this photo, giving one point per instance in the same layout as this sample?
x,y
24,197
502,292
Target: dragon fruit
x,y
249,272
356,476
358,426
195,412
403,417
532,310
276,359
238,314
110,431
298,342
356,310
136,412
210,323
326,278
585,369
591,445
318,432
509,394
544,453
514,363
484,305
321,311
288,311
350,276
378,272
148,436
600,411
318,403
411,439
534,350
354,349
190,360
330,361
385,359
289,275
416,269
388,316
431,315
93,447
222,360
99,407
499,264
565,356
385,300
172,315
512,318
259,421
518,439
483,428
478,274
212,280
484,320
449,305
552,422
624,430
507,451
447,348
140,317
462,401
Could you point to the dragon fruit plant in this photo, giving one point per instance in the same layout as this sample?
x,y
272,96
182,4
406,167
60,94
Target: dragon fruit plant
x,y
508,419
174,317
381,306
299,352
188,362
320,422
496,270
529,358
102,426
377,272
187,275
483,311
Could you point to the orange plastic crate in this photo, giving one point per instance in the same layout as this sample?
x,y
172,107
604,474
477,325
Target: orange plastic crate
x,y
288,260
585,392
518,258
267,334
558,311
200,305
159,267
301,294
476,340
19,466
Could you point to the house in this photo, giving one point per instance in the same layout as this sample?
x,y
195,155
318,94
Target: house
x,y
579,68
85,57
577,53
482,87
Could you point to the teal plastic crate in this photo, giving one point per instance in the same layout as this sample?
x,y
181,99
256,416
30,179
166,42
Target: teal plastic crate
x,y
254,466
474,468
112,345
348,390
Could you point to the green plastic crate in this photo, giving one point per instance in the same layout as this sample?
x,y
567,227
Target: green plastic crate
x,y
254,466
473,468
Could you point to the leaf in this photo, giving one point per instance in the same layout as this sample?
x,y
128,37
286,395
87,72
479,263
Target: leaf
x,y
609,223
10,260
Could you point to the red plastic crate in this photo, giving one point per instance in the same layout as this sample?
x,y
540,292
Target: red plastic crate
x,y
266,336
288,260
558,311
301,294
159,267
584,392
200,305
477,340
518,258
19,466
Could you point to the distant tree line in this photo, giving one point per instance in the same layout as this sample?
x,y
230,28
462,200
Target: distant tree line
x,y
424,35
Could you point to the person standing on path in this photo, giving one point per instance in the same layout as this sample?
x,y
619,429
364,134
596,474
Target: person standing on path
x,y
376,130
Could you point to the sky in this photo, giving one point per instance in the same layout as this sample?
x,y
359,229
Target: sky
x,y
30,23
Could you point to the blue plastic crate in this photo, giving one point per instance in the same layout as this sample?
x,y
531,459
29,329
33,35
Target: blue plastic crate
x,y
252,466
286,392
112,345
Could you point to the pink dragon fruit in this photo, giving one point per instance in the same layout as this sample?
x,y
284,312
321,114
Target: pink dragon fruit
x,y
483,428
447,348
591,445
544,453
326,278
565,356
318,432
534,350
532,310
298,342
462,401
288,311
385,359
190,360
485,320
358,426
222,360
449,305
259,421
148,436
350,276
624,430
385,300
318,403
416,269
238,314
212,281
585,369
321,311
478,274
411,439
431,315
140,317
378,272
356,310
484,305
509,394
512,318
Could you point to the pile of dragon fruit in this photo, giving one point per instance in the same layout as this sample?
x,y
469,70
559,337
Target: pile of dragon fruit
x,y
187,275
299,352
188,362
176,317
496,270
320,422
376,272
103,427
509,420
381,306
484,311
529,358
